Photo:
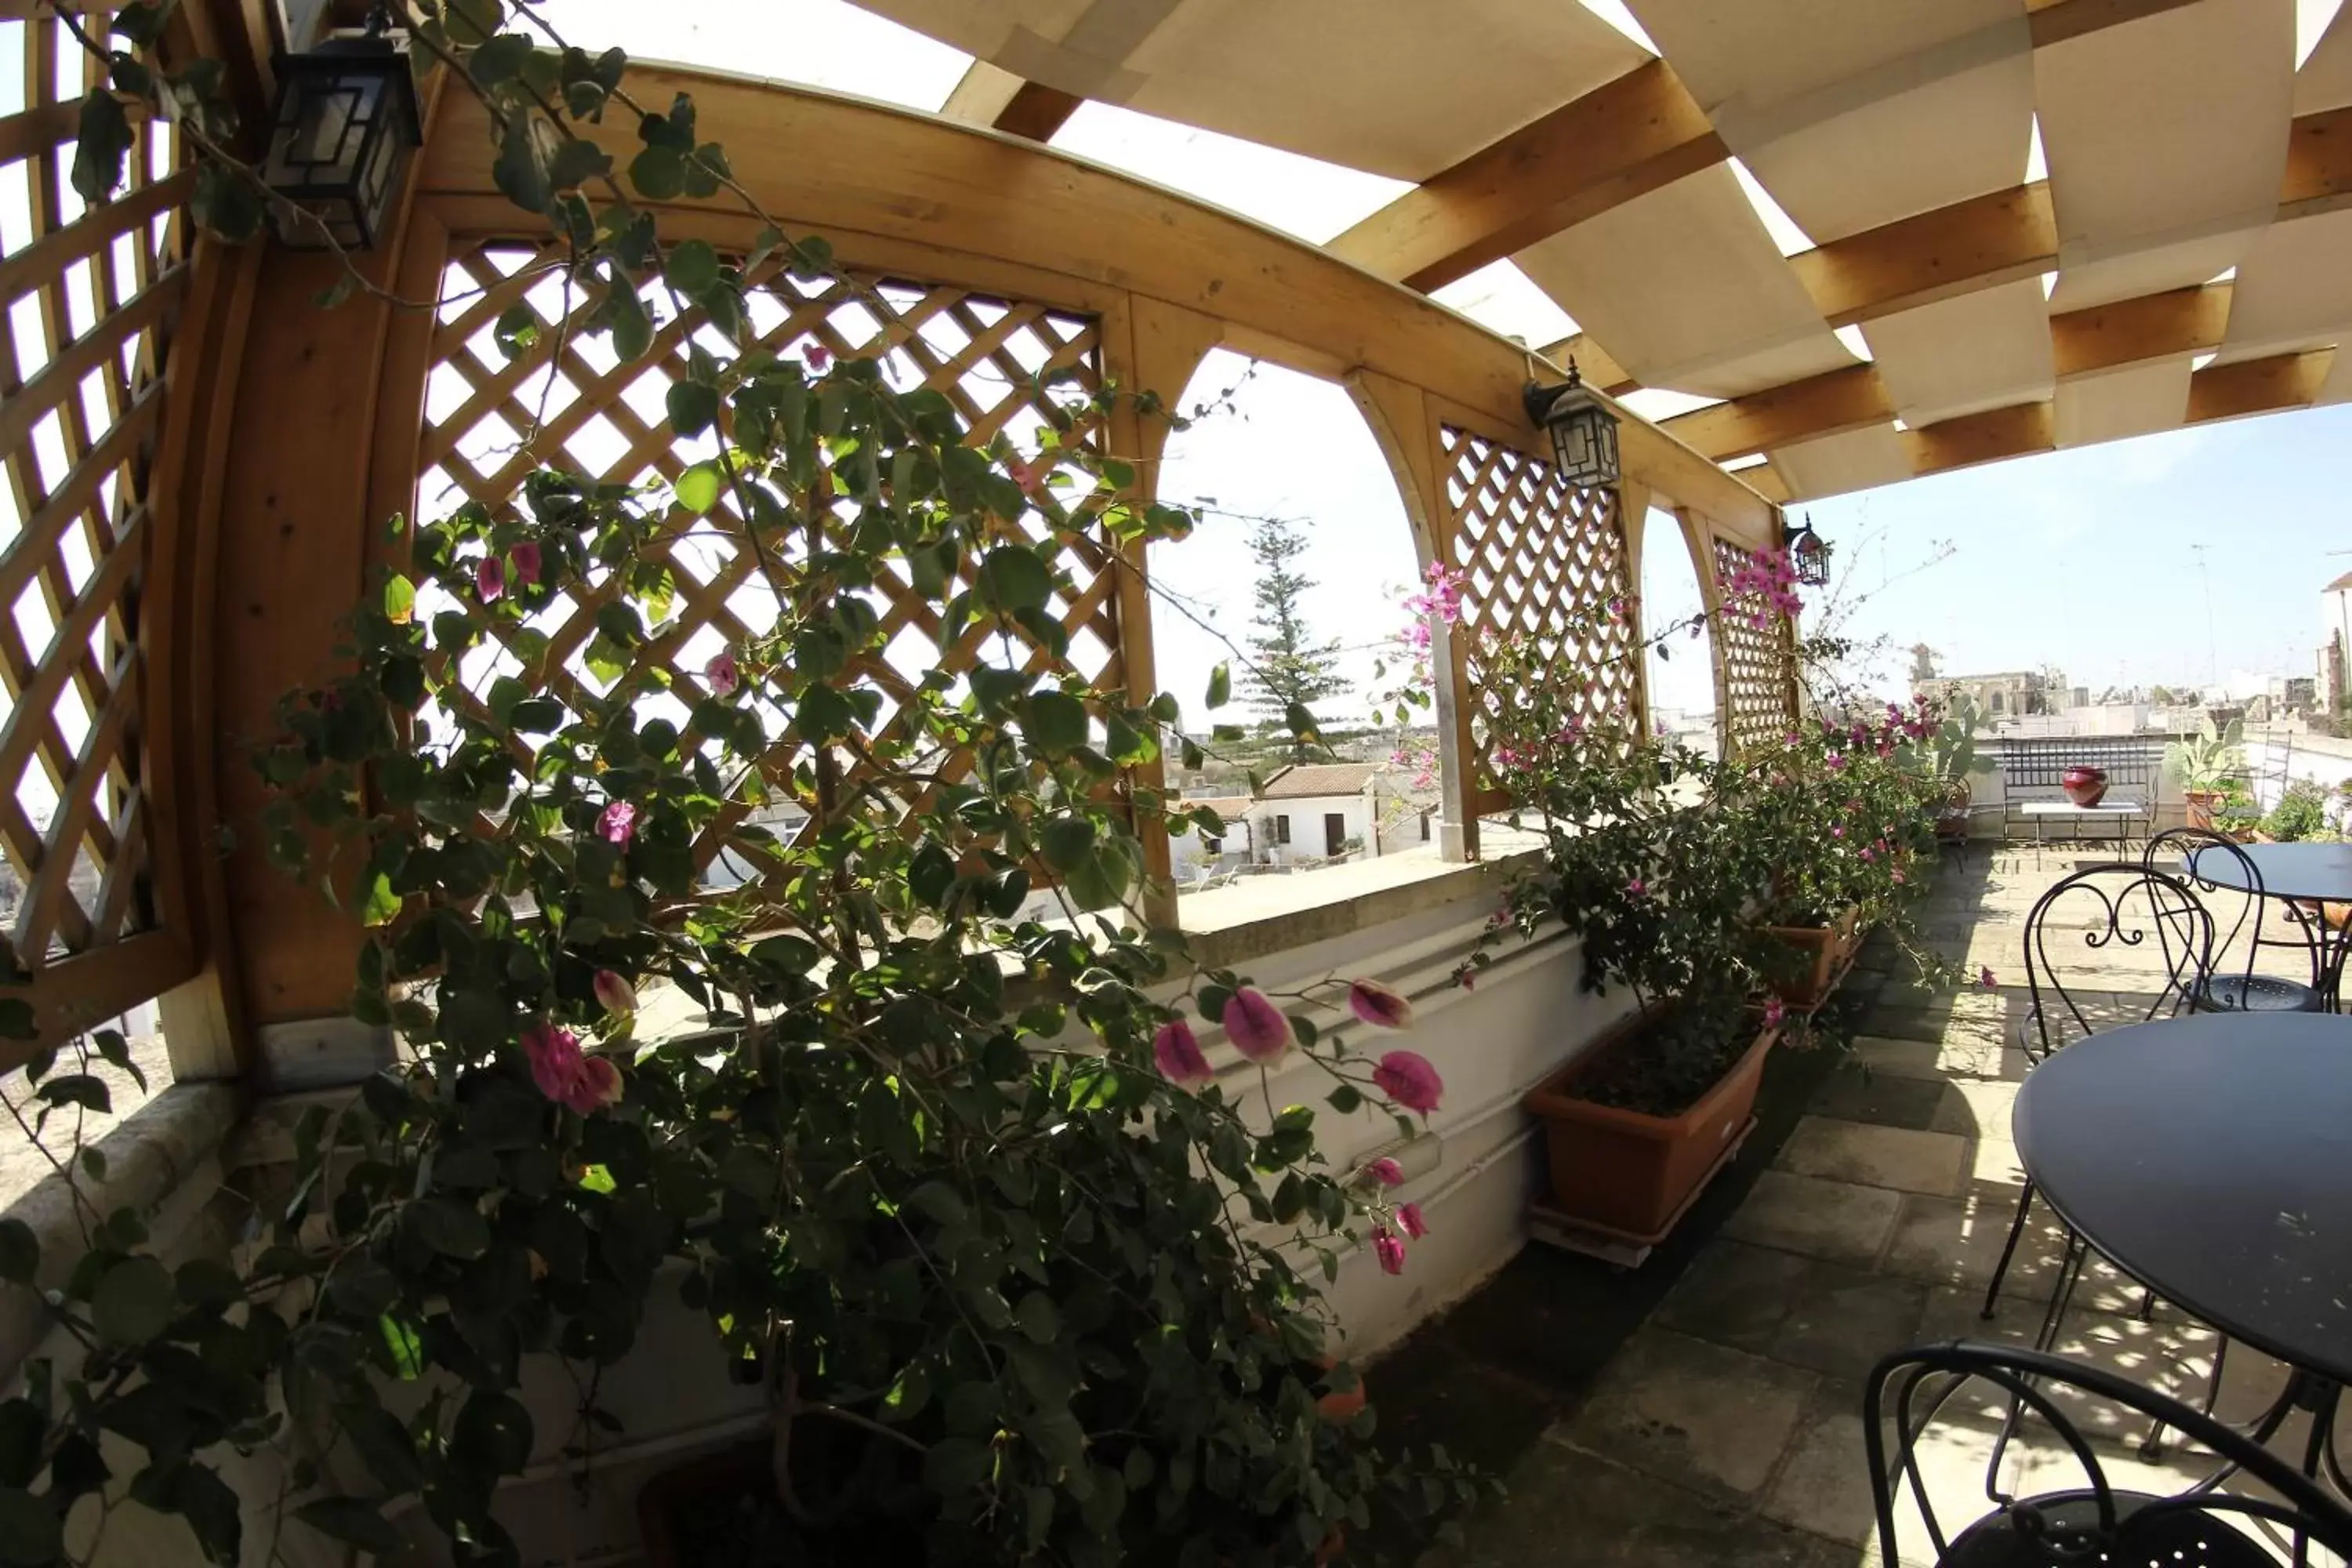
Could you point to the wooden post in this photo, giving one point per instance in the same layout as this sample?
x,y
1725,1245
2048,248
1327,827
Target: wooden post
x,y
1632,513
1406,429
1698,537
1148,346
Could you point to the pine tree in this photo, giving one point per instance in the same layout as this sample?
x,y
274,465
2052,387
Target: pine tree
x,y
1287,665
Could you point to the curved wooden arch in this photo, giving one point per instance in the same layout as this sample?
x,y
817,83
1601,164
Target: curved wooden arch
x,y
323,444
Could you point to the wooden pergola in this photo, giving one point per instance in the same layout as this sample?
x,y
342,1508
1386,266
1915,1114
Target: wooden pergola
x,y
208,466
2185,257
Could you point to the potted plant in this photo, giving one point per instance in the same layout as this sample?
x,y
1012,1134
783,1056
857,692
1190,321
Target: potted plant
x,y
2301,813
1943,751
2204,764
2237,815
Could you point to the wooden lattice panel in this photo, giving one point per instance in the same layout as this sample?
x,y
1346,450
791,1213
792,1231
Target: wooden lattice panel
x,y
1759,698
1001,363
1543,562
90,296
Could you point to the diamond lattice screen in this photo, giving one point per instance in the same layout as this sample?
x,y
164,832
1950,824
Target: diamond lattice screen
x,y
90,295
1542,560
1001,363
1760,691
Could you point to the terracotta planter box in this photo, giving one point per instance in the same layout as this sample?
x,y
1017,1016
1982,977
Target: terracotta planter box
x,y
1825,949
1622,1172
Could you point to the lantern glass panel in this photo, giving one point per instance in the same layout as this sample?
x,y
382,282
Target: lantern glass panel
x,y
346,124
1584,441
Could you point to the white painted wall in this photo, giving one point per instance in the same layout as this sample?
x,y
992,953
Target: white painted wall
x,y
1306,813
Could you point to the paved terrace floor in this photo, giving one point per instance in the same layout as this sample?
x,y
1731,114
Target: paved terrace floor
x,y
1705,1409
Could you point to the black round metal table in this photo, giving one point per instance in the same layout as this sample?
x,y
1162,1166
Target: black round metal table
x,y
2309,873
2210,1157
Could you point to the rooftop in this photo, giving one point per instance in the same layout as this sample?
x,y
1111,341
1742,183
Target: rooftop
x,y
1318,778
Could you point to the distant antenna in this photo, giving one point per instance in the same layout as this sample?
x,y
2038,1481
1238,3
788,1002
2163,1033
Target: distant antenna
x,y
2212,664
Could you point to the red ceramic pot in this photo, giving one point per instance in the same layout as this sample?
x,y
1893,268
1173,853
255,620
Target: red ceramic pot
x,y
2083,787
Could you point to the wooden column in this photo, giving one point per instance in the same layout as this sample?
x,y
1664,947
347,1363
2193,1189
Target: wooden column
x,y
1148,346
1406,429
1698,537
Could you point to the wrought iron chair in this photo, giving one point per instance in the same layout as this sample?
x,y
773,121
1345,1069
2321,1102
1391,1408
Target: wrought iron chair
x,y
2237,915
2096,1523
2120,904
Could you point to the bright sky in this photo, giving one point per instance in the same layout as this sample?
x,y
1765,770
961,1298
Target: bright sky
x,y
2083,559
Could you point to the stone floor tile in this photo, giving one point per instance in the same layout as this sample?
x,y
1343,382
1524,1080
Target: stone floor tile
x,y
1700,1415
1995,1161
1897,1058
1735,1294
1843,1320
2168,1353
1853,1095
1956,1242
1975,1108
1895,1157
1838,1220
1566,1507
1825,1487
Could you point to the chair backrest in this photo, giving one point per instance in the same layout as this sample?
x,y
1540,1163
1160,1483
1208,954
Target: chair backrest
x,y
1909,1390
2236,904
2113,908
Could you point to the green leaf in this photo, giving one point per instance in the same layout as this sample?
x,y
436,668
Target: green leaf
x,y
633,330
399,600
225,203
353,1521
1301,722
1066,841
451,1228
1014,577
697,489
693,265
30,1530
1037,1318
499,61
693,409
79,1089
658,173
521,170
576,161
383,1444
1220,685
381,906
516,331
1058,722
942,1201
134,1301
105,144
20,1252
142,22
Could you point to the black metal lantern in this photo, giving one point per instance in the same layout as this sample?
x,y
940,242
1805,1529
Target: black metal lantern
x,y
347,123
1583,431
1808,553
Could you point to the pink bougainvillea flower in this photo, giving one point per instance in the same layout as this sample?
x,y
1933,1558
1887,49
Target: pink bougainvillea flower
x,y
1255,1025
1386,1172
722,675
1180,1057
1773,1012
1834,762
1637,887
1382,1006
1898,876
1389,1250
1868,853
525,557
1837,830
1985,977
577,1082
1030,473
817,357
618,824
1409,1220
490,579
614,994
1407,1078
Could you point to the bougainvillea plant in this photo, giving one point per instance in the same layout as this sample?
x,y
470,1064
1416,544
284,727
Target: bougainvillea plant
x,y
942,1160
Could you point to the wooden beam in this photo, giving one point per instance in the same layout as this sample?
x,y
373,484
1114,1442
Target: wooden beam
x,y
1596,364
1983,438
2318,164
1037,112
1978,244
1852,398
910,190
2258,385
2055,21
2154,326
1619,140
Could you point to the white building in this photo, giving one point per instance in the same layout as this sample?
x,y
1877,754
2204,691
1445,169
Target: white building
x,y
1331,811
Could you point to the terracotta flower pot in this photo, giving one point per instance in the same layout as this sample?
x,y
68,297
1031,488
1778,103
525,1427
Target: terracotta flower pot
x,y
2083,787
1825,948
2201,803
1622,1171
